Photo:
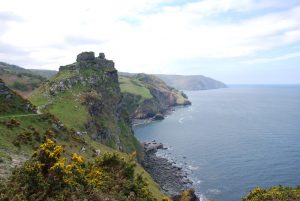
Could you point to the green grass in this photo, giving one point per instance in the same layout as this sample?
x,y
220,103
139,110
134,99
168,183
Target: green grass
x,y
134,86
69,109
65,74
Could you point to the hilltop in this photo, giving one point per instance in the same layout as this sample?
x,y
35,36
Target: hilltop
x,y
86,96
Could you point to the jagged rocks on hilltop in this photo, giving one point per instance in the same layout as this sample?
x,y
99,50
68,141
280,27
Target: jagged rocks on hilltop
x,y
91,85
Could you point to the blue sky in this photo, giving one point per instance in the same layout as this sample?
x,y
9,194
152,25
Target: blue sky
x,y
235,41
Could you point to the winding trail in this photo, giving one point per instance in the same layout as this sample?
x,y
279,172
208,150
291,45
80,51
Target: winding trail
x,y
21,115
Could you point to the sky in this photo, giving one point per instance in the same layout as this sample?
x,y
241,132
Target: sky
x,y
235,41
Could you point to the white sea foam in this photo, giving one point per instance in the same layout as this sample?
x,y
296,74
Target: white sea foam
x,y
190,167
214,191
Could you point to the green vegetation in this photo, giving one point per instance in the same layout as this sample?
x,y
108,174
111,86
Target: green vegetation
x,y
135,87
19,79
276,193
49,176
144,95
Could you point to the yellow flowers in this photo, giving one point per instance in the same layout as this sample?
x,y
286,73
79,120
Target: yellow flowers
x,y
56,152
77,158
47,173
60,164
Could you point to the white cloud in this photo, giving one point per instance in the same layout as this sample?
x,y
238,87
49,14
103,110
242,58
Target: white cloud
x,y
273,59
55,31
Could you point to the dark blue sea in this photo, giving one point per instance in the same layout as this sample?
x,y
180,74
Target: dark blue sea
x,y
234,139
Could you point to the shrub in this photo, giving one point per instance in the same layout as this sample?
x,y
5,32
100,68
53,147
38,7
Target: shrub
x,y
12,123
49,176
277,193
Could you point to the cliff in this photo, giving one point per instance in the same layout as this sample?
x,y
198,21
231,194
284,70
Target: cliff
x,y
86,96
146,96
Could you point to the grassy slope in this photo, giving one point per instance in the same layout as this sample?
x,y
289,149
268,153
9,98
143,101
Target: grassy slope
x,y
68,105
12,155
19,79
134,86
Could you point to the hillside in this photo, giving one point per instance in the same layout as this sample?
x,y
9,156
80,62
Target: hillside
x,y
146,96
22,130
191,82
86,96
44,73
19,79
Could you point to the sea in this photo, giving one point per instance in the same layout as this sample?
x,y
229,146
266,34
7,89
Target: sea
x,y
234,139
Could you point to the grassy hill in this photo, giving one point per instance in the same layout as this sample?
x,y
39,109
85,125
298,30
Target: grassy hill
x,y
191,82
22,130
19,79
145,96
86,96
44,73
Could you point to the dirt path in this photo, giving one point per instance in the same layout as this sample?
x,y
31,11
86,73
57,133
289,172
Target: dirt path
x,y
21,115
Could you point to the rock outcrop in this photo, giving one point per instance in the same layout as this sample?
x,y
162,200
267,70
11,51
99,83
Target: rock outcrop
x,y
92,82
163,98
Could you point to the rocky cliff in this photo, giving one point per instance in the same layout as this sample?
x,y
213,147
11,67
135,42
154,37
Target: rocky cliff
x,y
86,95
146,96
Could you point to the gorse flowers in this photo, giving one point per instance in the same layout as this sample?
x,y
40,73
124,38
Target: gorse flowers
x,y
50,176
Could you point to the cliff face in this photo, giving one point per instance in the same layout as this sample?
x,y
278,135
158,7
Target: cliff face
x,y
146,96
86,95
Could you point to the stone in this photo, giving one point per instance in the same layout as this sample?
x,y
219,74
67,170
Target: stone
x,y
85,56
82,149
101,55
158,117
98,152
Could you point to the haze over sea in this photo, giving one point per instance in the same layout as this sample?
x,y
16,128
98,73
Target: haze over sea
x,y
234,139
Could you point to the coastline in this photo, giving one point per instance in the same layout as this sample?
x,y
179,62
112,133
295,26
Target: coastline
x,y
171,178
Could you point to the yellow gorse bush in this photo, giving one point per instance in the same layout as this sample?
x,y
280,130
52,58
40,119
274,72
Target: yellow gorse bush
x,y
49,176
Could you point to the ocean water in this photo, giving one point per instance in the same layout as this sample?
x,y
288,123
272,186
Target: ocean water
x,y
232,140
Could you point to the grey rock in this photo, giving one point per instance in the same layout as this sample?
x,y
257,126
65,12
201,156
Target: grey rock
x,y
101,55
85,56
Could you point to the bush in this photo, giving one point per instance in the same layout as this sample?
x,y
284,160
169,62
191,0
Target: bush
x,y
277,193
49,176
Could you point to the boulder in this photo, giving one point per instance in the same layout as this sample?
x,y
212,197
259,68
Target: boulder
x,y
158,117
85,56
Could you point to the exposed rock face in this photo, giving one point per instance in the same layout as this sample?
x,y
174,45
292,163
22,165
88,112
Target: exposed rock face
x,y
164,97
172,179
85,56
101,55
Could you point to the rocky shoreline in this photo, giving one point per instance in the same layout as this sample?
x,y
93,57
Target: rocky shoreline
x,y
171,178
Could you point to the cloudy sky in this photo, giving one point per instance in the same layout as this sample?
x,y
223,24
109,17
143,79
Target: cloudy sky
x,y
235,41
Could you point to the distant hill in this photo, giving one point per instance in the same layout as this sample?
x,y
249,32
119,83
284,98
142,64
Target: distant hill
x,y
44,73
21,80
186,82
191,82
